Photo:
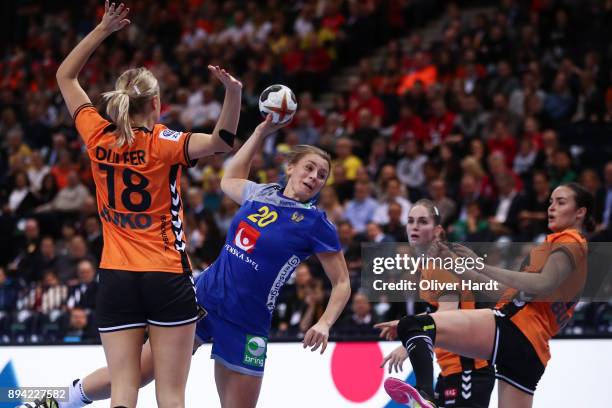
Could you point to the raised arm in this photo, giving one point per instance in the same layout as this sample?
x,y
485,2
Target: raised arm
x,y
222,138
114,19
337,272
237,171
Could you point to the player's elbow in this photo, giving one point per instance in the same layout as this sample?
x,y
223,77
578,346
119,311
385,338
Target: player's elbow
x,y
224,140
61,74
343,285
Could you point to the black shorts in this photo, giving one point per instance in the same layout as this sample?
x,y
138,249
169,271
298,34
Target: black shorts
x,y
516,361
467,389
127,300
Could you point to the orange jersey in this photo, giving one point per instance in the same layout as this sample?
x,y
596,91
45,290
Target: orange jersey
x,y
138,194
450,363
539,321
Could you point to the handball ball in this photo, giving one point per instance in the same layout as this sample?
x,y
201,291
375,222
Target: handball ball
x,y
280,101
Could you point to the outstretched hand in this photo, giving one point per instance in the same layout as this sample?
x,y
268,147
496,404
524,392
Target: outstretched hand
x,y
114,19
267,127
317,336
388,330
226,78
396,359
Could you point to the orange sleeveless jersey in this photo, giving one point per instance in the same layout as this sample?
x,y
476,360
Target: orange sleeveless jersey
x,y
450,363
138,194
539,321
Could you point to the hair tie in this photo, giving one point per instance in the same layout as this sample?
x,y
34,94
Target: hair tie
x,y
136,90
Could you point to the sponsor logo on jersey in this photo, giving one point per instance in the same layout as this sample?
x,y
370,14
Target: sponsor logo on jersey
x,y
297,217
285,271
255,350
451,392
168,134
246,237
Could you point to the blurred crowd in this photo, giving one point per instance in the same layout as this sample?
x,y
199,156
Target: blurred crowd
x,y
485,117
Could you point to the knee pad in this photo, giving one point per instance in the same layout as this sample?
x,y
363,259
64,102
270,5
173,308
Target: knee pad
x,y
412,327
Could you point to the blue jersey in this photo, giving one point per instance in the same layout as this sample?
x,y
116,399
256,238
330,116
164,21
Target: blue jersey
x,y
268,238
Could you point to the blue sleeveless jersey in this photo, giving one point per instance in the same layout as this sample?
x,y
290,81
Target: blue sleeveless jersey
x,y
268,238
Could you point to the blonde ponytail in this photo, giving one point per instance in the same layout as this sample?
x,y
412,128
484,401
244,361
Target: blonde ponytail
x,y
133,91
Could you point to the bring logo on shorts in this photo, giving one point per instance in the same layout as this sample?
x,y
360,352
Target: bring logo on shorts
x,y
255,351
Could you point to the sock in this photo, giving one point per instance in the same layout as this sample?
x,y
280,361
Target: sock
x,y
76,396
418,334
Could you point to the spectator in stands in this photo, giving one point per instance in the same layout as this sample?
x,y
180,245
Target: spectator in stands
x,y
9,291
375,234
48,190
474,228
361,320
364,133
70,198
27,245
68,266
37,171
378,157
82,293
328,202
410,167
504,221
63,168
304,128
80,328
227,210
315,300
445,205
53,298
360,210
518,97
21,200
291,304
346,158
561,170
440,123
606,217
395,229
44,258
93,236
526,157
533,219
409,126
559,104
350,247
344,187
504,81
589,179
393,193
471,120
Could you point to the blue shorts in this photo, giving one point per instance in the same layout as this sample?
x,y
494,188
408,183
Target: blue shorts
x,y
232,346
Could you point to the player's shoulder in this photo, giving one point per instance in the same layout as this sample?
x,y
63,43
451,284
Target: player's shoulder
x,y
265,192
568,236
161,131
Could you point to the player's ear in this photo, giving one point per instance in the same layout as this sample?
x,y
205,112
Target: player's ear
x,y
289,170
155,103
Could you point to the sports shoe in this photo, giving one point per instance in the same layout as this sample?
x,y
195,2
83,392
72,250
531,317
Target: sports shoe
x,y
47,402
406,394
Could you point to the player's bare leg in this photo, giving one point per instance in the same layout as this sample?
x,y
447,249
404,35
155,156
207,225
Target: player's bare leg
x,y
236,390
511,397
123,349
171,348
